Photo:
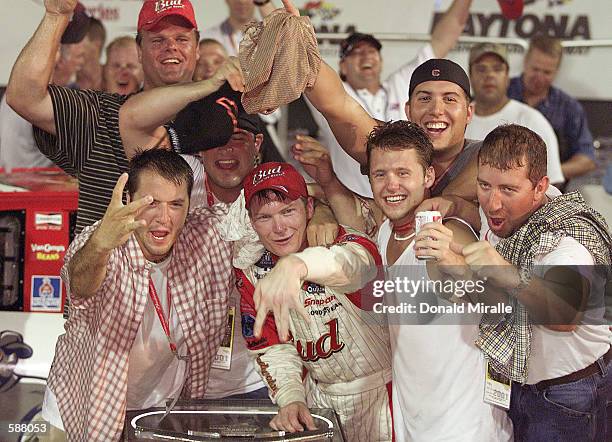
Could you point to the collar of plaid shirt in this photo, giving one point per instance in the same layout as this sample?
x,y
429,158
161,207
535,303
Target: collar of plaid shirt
x,y
89,373
506,340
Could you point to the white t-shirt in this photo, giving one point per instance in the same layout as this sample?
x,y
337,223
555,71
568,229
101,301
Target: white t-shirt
x,y
554,353
387,104
154,373
515,112
227,37
438,372
241,377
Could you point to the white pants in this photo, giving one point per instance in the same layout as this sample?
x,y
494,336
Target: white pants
x,y
364,416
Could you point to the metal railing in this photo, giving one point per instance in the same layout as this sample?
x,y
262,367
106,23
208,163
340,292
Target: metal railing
x,y
423,38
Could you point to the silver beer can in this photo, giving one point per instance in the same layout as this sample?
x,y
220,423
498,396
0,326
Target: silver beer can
x,y
422,218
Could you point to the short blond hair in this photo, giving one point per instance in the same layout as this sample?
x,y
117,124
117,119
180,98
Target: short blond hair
x,y
120,42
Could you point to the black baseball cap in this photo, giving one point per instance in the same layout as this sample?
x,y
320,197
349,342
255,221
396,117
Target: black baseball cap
x,y
210,122
349,43
78,27
440,69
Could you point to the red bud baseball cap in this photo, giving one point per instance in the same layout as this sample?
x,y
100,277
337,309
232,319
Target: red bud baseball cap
x,y
511,9
275,176
153,11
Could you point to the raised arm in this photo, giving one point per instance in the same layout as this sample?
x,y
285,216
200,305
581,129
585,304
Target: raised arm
x,y
349,122
87,267
142,115
448,29
315,160
27,90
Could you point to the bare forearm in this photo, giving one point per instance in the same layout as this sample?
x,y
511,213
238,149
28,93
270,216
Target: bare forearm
x,y
345,206
466,210
447,31
577,165
349,122
27,89
87,269
146,111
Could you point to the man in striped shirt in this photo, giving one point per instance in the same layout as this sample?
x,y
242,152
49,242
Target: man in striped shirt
x,y
78,130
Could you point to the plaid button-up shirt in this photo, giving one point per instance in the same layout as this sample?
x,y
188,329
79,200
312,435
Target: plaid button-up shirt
x,y
90,369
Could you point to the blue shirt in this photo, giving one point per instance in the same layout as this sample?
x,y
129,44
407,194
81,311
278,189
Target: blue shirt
x,y
566,116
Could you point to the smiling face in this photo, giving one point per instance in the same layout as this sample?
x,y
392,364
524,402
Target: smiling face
x,y
399,182
489,78
362,66
226,166
168,53
508,197
442,110
165,216
122,71
281,223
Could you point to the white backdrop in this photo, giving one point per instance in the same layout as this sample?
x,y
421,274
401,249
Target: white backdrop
x,y
585,75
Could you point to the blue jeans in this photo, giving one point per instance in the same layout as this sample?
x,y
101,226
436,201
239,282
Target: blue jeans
x,y
572,412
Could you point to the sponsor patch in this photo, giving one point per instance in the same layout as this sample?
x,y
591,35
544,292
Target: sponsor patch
x,y
46,294
47,221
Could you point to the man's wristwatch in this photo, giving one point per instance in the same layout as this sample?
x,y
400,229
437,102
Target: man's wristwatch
x,y
261,2
524,280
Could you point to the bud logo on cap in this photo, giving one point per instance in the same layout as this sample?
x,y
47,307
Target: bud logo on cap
x,y
281,177
153,11
162,5
263,174
435,73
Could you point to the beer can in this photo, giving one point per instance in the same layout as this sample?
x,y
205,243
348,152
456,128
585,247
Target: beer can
x,y
422,218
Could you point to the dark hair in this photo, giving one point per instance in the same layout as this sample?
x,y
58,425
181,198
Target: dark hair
x,y
139,37
549,45
97,31
168,164
511,146
401,135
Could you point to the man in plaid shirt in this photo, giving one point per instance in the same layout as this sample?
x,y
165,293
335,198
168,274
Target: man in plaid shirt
x,y
548,255
149,287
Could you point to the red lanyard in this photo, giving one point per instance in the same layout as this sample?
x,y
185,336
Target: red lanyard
x,y
165,323
210,198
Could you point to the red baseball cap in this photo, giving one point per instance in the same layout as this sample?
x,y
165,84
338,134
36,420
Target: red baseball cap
x,y
275,176
511,9
153,11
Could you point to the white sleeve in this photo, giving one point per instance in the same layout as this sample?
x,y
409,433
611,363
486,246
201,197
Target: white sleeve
x,y
280,367
568,252
346,266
